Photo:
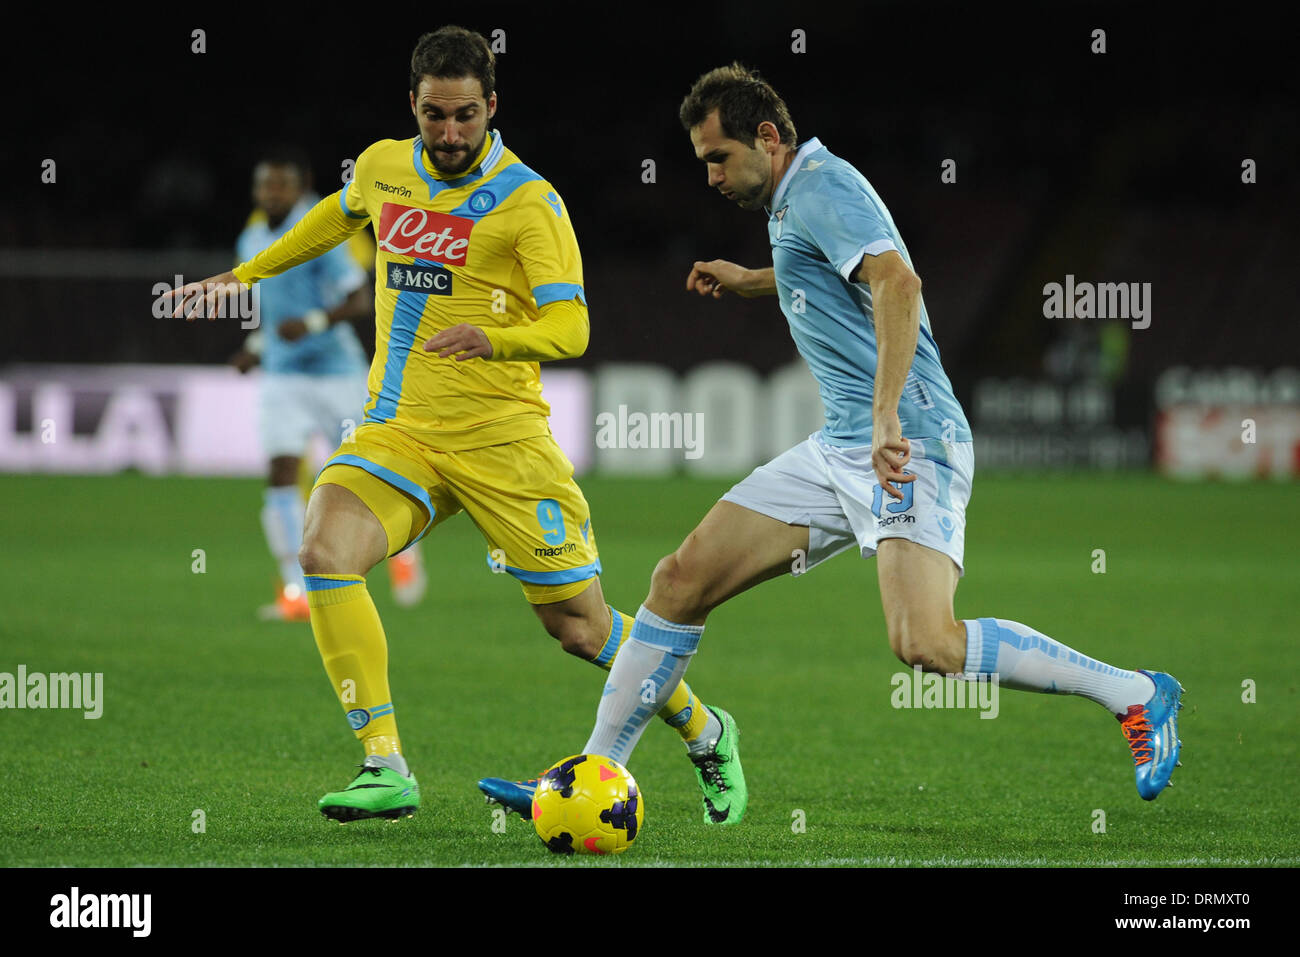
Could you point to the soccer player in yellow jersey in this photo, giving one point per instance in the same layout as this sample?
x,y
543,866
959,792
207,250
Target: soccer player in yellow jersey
x,y
478,278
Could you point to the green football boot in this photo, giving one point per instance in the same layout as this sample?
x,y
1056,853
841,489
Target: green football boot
x,y
721,778
374,792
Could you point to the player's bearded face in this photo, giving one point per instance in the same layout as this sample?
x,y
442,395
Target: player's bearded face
x,y
741,172
750,183
454,119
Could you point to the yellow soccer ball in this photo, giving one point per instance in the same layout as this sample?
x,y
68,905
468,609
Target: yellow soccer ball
x,y
587,804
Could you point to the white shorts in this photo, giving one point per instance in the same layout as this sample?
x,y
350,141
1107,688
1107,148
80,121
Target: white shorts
x,y
835,492
293,407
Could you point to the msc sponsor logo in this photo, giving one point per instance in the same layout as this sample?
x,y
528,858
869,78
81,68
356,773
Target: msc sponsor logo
x,y
406,231
414,277
396,190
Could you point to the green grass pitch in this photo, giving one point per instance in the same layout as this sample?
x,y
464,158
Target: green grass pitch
x,y
205,708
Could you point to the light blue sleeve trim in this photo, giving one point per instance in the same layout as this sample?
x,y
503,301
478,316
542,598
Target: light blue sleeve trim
x,y
343,203
558,292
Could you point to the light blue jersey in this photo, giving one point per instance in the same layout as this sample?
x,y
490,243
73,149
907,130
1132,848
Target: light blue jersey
x,y
320,283
824,217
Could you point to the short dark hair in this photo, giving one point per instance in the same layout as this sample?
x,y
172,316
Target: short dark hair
x,y
290,157
743,100
450,53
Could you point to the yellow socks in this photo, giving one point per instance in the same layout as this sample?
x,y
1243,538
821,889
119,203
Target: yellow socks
x,y
355,652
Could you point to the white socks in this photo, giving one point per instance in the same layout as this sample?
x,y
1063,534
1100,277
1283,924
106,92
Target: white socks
x,y
1030,661
282,520
646,671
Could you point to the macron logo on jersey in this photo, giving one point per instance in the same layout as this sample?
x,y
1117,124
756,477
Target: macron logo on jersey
x,y
406,231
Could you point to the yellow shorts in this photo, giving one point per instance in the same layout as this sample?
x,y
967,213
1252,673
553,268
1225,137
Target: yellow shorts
x,y
520,494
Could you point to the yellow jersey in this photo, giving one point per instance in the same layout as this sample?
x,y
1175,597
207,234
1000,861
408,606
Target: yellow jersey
x,y
493,247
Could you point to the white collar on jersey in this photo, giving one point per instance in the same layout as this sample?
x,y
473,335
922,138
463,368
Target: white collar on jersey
x,y
494,153
811,146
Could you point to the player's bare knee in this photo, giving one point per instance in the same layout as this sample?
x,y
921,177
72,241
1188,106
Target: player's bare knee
x,y
916,652
899,635
315,559
320,557
931,646
666,578
577,635
677,588
579,640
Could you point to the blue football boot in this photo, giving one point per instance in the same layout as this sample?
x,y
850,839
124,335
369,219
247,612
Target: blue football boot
x,y
514,796
1152,734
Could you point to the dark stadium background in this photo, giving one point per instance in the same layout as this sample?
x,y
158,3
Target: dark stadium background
x,y
1120,167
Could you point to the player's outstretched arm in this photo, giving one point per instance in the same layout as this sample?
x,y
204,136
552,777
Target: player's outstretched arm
x,y
717,276
210,298
321,228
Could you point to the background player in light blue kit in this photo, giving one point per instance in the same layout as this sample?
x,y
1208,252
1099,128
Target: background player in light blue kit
x,y
314,380
891,471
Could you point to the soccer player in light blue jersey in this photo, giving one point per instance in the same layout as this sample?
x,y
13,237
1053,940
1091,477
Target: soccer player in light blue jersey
x,y
314,372
890,473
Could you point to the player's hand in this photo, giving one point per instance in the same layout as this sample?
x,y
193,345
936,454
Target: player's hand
x,y
716,277
463,341
209,298
890,452
243,360
291,330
